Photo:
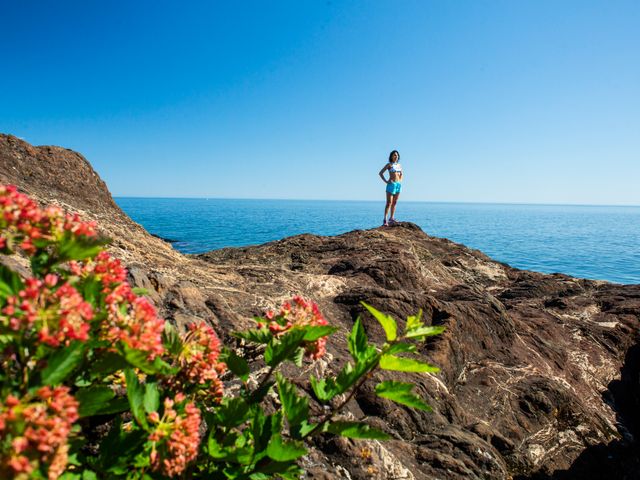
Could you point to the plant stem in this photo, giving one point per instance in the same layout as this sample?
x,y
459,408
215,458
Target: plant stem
x,y
335,410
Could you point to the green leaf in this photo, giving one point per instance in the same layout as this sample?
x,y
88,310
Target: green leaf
x,y
171,339
263,428
298,357
151,397
256,335
401,348
78,248
232,412
283,348
93,399
89,475
282,451
135,394
424,332
388,323
236,364
140,291
10,282
62,363
140,359
402,364
279,470
119,448
115,405
400,392
323,390
295,407
357,339
313,333
356,430
106,364
414,321
70,476
40,264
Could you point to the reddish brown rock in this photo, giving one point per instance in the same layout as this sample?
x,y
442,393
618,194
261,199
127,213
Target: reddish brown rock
x,y
539,372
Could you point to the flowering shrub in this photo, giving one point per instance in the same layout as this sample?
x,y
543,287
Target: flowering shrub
x,y
77,342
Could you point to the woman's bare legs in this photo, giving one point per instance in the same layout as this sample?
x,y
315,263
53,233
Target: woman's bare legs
x,y
394,200
386,208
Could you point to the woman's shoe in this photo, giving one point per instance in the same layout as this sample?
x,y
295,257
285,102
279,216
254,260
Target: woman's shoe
x,y
385,223
392,221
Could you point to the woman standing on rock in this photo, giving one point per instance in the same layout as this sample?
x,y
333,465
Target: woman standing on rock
x,y
394,185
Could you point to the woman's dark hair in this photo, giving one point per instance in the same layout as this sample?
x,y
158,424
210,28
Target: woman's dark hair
x,y
391,155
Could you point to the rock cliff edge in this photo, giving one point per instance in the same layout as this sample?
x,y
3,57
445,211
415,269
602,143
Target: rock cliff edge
x,y
539,372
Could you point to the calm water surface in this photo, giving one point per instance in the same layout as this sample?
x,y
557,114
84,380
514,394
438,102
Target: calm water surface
x,y
594,242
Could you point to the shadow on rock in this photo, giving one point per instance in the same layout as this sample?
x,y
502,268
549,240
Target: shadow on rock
x,y
619,459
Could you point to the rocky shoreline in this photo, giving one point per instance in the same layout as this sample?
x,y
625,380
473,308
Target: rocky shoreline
x,y
540,373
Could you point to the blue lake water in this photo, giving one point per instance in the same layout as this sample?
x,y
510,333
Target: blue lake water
x,y
596,242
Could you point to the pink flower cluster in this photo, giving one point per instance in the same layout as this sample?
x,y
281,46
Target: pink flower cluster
x,y
57,315
298,313
24,223
106,269
199,363
176,438
130,319
133,321
38,428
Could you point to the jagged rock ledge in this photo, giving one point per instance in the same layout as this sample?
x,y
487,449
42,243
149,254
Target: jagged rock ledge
x,y
539,372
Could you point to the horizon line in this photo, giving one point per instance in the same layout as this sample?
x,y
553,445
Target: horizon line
x,y
382,200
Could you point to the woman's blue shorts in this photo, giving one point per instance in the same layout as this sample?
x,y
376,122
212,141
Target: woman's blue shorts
x,y
394,188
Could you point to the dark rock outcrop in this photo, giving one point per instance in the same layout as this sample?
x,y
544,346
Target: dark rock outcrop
x,y
540,373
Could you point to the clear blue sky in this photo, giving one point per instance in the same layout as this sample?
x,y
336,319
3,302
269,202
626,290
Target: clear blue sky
x,y
487,101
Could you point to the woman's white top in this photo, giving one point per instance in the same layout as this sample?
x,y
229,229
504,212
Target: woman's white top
x,y
395,167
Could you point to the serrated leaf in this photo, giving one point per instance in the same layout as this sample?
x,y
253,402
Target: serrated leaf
x,y
151,397
78,248
171,339
10,282
89,475
283,348
283,470
356,430
402,364
357,339
236,364
298,357
424,332
62,363
106,364
115,405
282,451
93,399
401,392
135,394
401,348
232,412
256,335
91,289
388,323
70,476
140,359
313,333
321,389
295,407
263,428
414,321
